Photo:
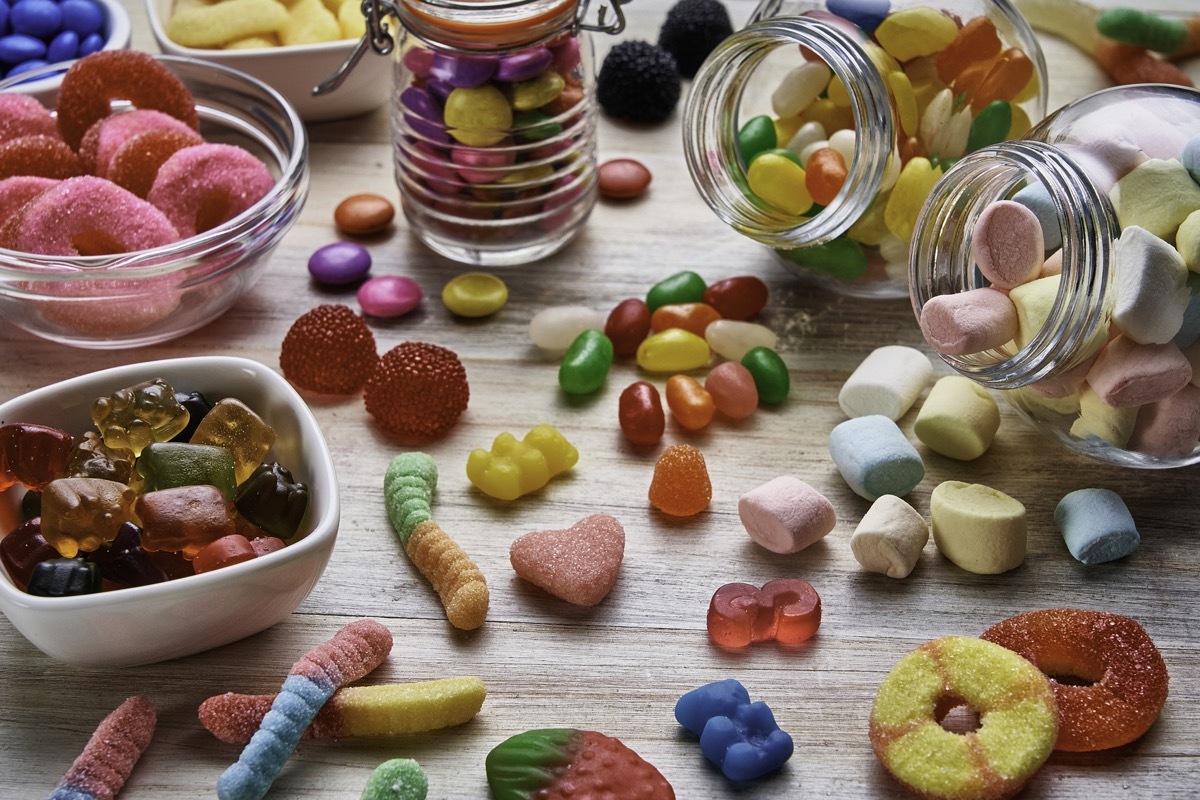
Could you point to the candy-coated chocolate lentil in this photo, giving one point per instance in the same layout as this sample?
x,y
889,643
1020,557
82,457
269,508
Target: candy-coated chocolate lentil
x,y
732,339
990,126
841,257
824,175
478,116
690,403
339,263
694,317
780,182
536,92
732,388
623,179
474,294
364,213
673,350
628,324
770,375
757,135
585,365
389,296
740,297
640,414
682,287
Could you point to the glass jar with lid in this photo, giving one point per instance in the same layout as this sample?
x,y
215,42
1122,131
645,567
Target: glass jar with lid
x,y
884,96
1096,340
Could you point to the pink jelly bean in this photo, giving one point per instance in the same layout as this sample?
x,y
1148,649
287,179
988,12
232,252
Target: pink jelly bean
x,y
969,322
1008,246
389,296
732,388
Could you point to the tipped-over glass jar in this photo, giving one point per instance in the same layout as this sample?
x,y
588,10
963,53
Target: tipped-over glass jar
x,y
493,123
820,127
1063,269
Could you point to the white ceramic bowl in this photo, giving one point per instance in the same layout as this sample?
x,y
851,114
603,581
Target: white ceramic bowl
x,y
145,624
117,35
294,71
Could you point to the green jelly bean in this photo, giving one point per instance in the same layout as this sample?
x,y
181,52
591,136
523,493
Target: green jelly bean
x,y
533,126
757,135
770,374
585,366
991,125
842,258
1142,29
682,287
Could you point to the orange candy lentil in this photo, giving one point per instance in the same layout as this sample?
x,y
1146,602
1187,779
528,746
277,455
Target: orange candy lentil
x,y
329,349
692,317
690,403
418,391
38,156
681,486
824,175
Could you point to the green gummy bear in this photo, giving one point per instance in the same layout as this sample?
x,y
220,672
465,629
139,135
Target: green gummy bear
x,y
166,465
408,488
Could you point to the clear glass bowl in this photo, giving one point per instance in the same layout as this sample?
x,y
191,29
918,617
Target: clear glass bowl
x,y
150,296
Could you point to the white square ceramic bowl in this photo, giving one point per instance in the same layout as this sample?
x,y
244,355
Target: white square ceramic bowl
x,y
294,71
145,624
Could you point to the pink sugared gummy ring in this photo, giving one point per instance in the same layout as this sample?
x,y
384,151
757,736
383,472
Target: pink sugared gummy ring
x,y
22,115
15,192
102,141
87,216
200,187
91,83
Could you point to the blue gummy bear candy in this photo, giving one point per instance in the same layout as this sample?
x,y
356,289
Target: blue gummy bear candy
x,y
740,737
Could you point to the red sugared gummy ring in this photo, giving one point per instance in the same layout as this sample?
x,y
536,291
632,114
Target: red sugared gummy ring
x,y
22,115
1126,674
136,164
16,192
87,216
40,156
200,187
91,83
104,139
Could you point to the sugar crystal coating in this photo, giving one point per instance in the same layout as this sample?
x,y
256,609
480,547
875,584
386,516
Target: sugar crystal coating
x,y
102,768
681,486
417,391
579,564
329,349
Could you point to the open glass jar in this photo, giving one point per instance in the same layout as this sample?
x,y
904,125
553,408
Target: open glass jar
x,y
1102,334
493,123
885,96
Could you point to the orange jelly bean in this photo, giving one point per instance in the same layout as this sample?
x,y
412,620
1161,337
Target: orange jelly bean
x,y
787,610
640,414
824,175
692,317
627,325
740,297
690,403
976,41
1005,80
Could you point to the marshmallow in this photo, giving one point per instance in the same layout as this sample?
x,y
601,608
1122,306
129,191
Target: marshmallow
x,y
979,528
1191,157
890,537
1100,420
1096,525
1169,428
1150,287
1187,241
959,419
969,322
874,457
1038,200
888,381
1007,244
786,515
1130,374
1157,195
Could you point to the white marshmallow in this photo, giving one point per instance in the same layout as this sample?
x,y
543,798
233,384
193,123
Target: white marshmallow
x,y
890,537
887,382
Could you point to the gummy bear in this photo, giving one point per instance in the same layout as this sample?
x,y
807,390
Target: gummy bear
x,y
198,407
165,465
513,468
271,500
184,519
92,458
83,513
23,549
32,455
138,415
64,577
124,561
233,425
787,610
738,736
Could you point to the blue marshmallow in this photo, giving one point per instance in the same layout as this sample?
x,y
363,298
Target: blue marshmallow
x,y
1037,199
1096,525
875,458
1191,157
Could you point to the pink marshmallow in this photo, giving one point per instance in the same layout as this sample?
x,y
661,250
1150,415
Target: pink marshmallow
x,y
786,515
1128,374
201,187
1066,382
969,322
1007,244
1169,428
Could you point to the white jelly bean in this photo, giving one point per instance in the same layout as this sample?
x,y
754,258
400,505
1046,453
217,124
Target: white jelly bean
x,y
844,142
935,120
731,339
812,147
799,87
808,133
554,328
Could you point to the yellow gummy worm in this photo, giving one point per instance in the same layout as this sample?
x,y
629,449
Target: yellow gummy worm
x,y
452,573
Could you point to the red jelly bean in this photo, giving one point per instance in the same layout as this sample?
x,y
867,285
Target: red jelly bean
x,y
738,298
692,317
627,325
824,175
787,610
690,403
640,413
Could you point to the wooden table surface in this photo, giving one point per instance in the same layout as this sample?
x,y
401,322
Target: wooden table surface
x,y
619,668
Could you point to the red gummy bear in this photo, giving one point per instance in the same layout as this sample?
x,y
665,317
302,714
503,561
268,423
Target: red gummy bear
x,y
787,610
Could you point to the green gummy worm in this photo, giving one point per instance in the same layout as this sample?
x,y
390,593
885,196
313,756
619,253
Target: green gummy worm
x,y
408,488
1142,29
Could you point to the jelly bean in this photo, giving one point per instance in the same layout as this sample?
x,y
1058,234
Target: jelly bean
x,y
800,87
904,203
623,178
640,414
732,388
693,317
682,287
690,403
828,115
363,214
779,182
757,135
990,126
478,116
785,610
771,377
474,294
737,298
732,339
786,128
841,257
554,329
627,326
389,296
914,32
1010,74
805,135
907,113
976,41
824,174
585,366
339,263
673,350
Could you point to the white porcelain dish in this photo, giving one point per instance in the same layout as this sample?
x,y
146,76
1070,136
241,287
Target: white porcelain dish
x,y
117,35
158,622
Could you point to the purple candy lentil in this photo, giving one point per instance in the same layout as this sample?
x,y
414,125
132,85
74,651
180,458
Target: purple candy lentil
x,y
524,65
339,263
63,47
389,296
92,43
463,72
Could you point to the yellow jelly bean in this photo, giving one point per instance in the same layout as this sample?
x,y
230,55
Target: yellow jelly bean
x,y
779,181
870,229
906,101
828,115
672,350
785,129
882,60
912,187
914,32
478,116
474,294
836,91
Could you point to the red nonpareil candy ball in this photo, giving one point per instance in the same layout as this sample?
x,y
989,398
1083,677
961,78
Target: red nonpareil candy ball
x,y
417,391
329,349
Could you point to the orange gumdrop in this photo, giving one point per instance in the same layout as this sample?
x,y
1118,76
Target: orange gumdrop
x,y
680,487
690,403
692,317
976,41
1005,80
824,175
38,156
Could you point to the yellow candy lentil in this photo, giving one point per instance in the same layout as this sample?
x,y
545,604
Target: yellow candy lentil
x,y
536,92
673,350
914,32
479,116
913,186
474,294
779,181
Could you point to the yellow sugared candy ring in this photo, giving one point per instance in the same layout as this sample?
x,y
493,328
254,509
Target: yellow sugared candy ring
x,y
1018,720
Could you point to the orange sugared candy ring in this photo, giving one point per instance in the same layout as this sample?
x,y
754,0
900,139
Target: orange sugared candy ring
x,y
38,156
1126,676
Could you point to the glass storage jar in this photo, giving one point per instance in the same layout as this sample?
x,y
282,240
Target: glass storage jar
x,y
1096,344
493,122
884,95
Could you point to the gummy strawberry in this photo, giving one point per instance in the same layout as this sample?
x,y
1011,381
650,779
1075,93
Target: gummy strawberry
x,y
565,763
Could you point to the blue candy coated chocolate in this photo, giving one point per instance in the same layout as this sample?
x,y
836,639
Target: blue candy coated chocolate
x,y
740,737
92,43
39,18
866,14
1096,525
84,17
19,47
340,263
63,47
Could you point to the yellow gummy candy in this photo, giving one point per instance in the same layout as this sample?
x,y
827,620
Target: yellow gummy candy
x,y
400,708
513,467
220,23
350,18
309,22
